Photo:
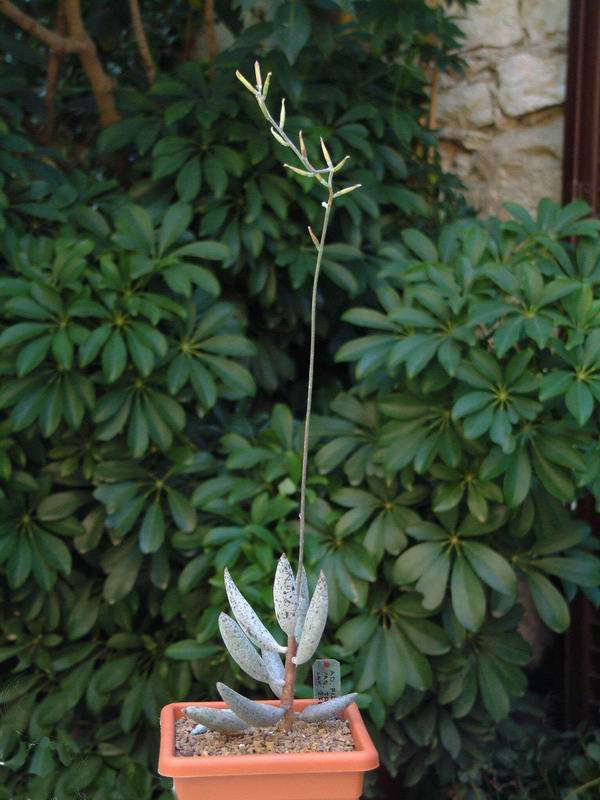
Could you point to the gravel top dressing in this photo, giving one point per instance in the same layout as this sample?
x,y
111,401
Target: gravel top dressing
x,y
324,737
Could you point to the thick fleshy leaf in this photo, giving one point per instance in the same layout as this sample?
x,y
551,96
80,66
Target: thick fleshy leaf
x,y
314,624
259,715
275,671
318,712
199,730
241,649
222,720
248,619
284,596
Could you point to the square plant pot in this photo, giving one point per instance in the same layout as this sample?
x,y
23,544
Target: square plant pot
x,y
276,776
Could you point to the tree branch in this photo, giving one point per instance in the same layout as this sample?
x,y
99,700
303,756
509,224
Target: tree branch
x,y
209,22
58,43
102,84
142,41
78,41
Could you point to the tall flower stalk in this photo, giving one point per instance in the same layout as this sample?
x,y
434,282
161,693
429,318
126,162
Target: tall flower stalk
x,y
325,176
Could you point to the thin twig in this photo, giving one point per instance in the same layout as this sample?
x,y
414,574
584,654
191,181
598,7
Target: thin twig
x,y
141,39
309,394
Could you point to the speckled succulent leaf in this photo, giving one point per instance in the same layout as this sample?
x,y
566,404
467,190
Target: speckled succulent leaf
x,y
199,730
258,715
241,649
284,596
275,671
314,624
319,712
277,688
302,606
248,619
222,720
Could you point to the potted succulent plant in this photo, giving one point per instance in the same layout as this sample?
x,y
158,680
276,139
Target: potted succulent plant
x,y
286,743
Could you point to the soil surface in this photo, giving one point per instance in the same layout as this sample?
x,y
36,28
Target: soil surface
x,y
322,737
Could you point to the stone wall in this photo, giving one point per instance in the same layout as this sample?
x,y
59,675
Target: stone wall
x,y
502,122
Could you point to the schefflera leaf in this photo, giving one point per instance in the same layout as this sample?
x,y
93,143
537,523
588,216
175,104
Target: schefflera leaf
x,y
314,624
275,671
248,619
241,649
319,712
222,720
258,715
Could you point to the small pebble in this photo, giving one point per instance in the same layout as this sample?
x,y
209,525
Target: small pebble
x,y
323,737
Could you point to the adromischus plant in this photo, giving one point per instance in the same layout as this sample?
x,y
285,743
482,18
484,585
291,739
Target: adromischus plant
x,y
303,619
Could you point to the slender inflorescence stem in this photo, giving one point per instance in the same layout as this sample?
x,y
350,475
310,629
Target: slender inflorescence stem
x,y
324,176
309,393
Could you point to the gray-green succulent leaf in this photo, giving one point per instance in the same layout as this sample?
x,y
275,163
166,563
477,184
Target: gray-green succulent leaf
x,y
241,649
319,712
275,671
314,624
248,619
277,688
257,715
222,720
284,596
199,730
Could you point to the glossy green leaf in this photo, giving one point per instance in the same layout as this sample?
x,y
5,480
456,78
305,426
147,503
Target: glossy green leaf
x,y
152,532
550,604
468,598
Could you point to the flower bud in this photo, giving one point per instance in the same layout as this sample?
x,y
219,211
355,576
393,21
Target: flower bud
x,y
339,166
298,171
265,90
258,75
302,145
278,138
347,190
315,241
326,154
246,83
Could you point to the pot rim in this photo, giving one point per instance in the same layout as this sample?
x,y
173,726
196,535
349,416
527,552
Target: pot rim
x,y
362,759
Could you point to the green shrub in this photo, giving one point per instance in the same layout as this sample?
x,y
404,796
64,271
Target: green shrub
x,y
154,313
532,760
469,436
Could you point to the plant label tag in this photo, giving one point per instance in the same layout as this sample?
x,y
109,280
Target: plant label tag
x,y
327,682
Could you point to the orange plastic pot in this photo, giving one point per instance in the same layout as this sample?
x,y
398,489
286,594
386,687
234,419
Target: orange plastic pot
x,y
276,776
